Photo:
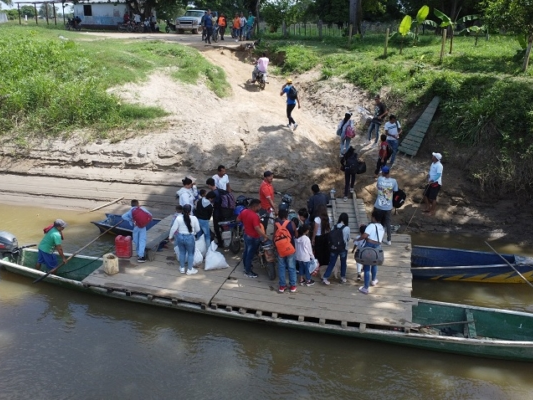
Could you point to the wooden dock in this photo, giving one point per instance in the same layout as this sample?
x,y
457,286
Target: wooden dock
x,y
389,303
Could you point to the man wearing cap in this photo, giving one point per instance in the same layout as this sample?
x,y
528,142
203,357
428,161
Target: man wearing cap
x,y
380,111
51,242
386,188
434,184
291,103
393,130
266,196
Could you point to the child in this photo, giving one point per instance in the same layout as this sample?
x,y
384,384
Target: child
x,y
358,243
304,255
383,155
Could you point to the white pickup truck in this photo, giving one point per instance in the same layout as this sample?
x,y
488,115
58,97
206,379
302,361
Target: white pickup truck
x,y
190,21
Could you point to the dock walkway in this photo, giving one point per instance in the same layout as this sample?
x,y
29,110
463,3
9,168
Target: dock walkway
x,y
389,303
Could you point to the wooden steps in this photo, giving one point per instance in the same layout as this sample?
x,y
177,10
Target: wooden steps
x,y
413,140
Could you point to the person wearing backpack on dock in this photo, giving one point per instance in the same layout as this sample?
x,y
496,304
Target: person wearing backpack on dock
x,y
139,217
204,211
373,236
346,131
339,237
349,163
221,212
383,206
284,235
292,100
393,130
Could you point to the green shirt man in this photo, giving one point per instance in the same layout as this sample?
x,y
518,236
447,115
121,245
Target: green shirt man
x,y
50,243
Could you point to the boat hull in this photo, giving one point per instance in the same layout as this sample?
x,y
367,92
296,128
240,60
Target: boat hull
x,y
436,263
498,334
124,228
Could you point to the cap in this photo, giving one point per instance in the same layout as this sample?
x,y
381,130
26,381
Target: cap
x,y
268,173
438,156
289,80
385,170
60,223
187,208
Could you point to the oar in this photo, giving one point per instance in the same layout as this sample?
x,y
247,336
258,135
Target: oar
x,y
74,254
509,264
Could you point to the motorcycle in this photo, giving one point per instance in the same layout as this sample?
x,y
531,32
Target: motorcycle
x,y
170,26
73,23
260,78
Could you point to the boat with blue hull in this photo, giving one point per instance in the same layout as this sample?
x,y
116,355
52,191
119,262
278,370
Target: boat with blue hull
x,y
441,263
123,228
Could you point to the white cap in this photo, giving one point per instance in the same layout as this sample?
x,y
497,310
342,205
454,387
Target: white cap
x,y
438,156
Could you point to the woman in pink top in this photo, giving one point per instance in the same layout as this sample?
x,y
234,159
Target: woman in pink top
x,y
260,66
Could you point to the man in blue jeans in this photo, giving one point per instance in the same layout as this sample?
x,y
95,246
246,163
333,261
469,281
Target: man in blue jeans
x,y
253,233
393,130
288,262
380,110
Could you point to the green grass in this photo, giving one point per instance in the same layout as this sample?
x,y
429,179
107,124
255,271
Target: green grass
x,y
50,85
487,102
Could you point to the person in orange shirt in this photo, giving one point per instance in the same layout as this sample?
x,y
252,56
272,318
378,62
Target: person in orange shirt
x,y
266,196
236,26
222,25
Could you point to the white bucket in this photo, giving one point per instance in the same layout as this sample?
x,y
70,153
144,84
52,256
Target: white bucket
x,y
110,264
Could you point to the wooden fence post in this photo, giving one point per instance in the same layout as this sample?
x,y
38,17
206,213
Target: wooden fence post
x,y
443,44
18,7
350,31
386,42
284,29
320,29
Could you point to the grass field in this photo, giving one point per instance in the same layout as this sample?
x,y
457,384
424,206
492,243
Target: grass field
x,y
487,102
51,84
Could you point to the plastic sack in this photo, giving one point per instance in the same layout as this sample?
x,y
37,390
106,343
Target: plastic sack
x,y
198,257
200,245
313,267
214,259
177,251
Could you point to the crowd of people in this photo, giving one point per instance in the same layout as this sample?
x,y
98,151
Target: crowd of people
x,y
241,26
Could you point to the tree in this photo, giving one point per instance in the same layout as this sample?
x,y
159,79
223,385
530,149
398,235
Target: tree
x,y
27,10
514,16
43,8
447,22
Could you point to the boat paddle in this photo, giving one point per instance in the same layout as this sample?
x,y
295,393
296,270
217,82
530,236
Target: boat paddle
x,y
509,264
75,254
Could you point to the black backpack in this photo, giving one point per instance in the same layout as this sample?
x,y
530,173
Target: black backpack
x,y
292,93
361,167
336,240
352,163
398,198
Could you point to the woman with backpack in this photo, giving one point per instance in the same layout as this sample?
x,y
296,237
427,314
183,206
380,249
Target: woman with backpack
x,y
373,236
339,238
184,230
320,240
346,131
349,162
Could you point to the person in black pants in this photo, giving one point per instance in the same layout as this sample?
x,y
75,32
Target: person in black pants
x,y
349,165
291,103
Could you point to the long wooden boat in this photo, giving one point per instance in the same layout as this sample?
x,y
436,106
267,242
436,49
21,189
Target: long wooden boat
x,y
124,228
444,327
440,263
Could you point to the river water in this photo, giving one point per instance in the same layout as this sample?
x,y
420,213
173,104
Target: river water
x,y
59,344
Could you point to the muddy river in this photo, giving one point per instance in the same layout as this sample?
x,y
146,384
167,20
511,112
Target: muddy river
x,y
57,343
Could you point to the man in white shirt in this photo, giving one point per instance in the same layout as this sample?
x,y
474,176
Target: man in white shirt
x,y
434,184
222,179
260,66
393,130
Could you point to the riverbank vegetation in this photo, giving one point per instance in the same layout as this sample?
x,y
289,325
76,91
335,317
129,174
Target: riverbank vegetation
x,y
486,107
55,81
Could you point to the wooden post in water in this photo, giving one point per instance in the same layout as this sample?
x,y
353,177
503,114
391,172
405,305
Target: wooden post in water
x,y
350,31
443,44
386,42
320,29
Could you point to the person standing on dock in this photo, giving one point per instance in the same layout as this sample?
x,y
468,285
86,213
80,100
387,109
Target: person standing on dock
x,y
266,197
316,200
222,179
184,230
383,205
283,228
137,217
434,184
373,236
253,233
204,211
342,252
51,242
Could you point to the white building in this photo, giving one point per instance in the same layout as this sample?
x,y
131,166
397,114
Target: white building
x,y
100,15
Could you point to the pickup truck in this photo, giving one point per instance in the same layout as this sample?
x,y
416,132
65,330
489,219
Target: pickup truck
x,y
190,21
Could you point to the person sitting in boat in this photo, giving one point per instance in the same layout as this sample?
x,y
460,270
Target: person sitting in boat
x,y
138,217
51,242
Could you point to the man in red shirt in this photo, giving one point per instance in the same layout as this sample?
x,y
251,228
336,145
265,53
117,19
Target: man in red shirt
x,y
266,195
253,233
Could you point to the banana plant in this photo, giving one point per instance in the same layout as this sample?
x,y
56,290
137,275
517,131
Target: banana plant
x,y
404,29
447,22
421,19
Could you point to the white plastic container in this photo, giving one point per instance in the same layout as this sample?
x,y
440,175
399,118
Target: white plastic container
x,y
110,264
